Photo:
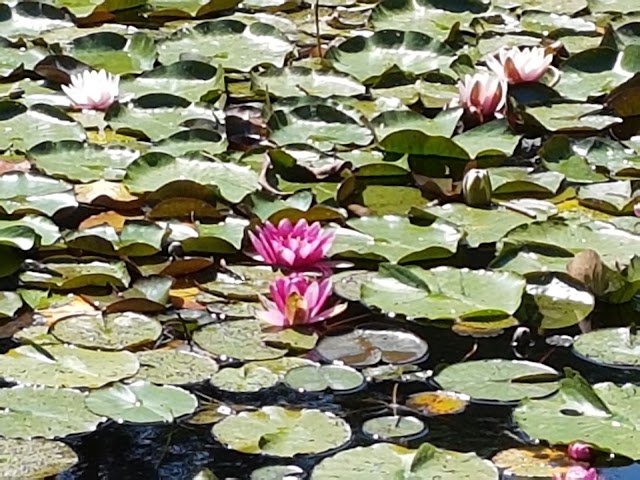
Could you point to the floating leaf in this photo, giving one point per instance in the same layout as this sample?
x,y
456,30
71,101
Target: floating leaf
x,y
438,402
35,458
255,376
393,428
27,192
532,462
174,367
291,81
335,378
67,276
612,347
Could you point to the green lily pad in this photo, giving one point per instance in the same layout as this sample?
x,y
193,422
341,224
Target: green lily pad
x,y
393,121
395,239
115,331
14,58
136,239
499,380
368,58
242,282
336,378
10,302
27,192
518,180
191,80
525,262
31,19
35,458
114,52
47,231
572,117
66,366
155,170
364,347
196,8
385,460
68,276
29,412
393,427
292,81
223,237
241,339
192,141
174,367
616,198
278,472
444,292
604,416
84,162
228,43
612,347
51,123
158,116
141,402
282,432
255,376
559,156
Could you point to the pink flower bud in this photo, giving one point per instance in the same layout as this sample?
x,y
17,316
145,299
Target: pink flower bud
x,y
580,452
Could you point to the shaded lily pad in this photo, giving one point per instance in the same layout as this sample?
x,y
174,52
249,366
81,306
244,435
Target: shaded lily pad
x,y
335,378
27,193
29,412
393,428
499,380
174,367
282,432
572,116
35,458
115,331
364,347
616,198
67,276
612,347
66,366
385,460
141,402
242,282
290,81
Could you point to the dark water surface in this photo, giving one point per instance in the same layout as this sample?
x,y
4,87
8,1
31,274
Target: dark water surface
x,y
179,451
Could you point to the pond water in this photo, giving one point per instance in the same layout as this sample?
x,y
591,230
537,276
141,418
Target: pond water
x,y
180,451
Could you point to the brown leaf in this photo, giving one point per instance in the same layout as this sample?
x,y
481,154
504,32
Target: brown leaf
x,y
74,305
10,328
13,166
115,219
107,194
587,268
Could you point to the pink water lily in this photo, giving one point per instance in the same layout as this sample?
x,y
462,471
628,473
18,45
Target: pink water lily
x,y
520,65
298,301
483,95
577,473
580,452
92,90
636,209
296,246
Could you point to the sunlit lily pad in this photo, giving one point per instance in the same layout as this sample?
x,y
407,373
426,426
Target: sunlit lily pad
x,y
66,366
384,460
255,376
116,331
278,472
282,432
242,282
616,198
499,380
286,82
35,458
613,347
393,427
572,116
27,193
29,412
364,347
347,284
438,402
66,276
174,367
605,415
141,402
335,378
532,462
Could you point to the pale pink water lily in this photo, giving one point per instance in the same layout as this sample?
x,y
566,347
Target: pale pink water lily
x,y
296,246
298,300
483,95
520,65
636,209
580,452
577,473
92,90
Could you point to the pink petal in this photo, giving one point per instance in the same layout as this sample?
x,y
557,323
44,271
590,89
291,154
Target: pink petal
x,y
329,313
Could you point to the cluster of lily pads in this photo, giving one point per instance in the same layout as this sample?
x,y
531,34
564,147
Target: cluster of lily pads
x,y
205,200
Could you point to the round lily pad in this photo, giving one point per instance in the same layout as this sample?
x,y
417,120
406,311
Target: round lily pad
x,y
613,347
115,331
532,462
174,367
336,378
29,412
141,402
278,472
282,432
438,402
499,380
385,460
347,284
66,366
255,376
364,347
393,427
242,282
35,458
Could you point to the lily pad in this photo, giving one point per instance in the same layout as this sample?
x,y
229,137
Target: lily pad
x,y
438,403
174,367
572,117
66,276
612,347
393,428
141,402
384,460
499,380
282,432
66,366
335,378
364,347
115,331
291,81
444,292
35,458
28,193
242,282
533,462
255,376
29,412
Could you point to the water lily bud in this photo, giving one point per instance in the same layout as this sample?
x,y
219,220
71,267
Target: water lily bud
x,y
476,188
580,452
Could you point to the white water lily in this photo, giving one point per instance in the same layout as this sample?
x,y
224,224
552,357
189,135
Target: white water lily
x,y
92,90
520,65
483,95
